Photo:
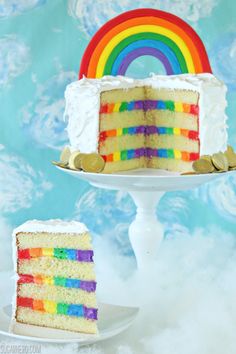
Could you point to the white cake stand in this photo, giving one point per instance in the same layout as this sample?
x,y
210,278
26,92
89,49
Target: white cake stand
x,y
146,187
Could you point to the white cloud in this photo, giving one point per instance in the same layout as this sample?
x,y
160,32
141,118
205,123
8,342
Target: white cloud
x,y
224,59
188,296
14,58
10,8
93,14
222,194
191,10
20,184
43,118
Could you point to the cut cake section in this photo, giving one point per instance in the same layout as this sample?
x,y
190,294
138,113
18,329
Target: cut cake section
x,y
154,128
122,128
56,280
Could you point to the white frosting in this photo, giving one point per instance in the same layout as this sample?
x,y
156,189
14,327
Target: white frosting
x,y
51,226
83,104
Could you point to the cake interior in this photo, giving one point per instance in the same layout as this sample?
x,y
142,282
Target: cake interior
x,y
148,127
56,281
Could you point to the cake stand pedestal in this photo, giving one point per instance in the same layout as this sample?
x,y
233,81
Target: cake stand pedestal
x,y
145,232
146,187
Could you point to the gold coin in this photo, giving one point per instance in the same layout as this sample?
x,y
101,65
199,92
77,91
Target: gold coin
x,y
60,164
203,166
231,156
92,162
206,157
220,161
230,149
75,160
65,155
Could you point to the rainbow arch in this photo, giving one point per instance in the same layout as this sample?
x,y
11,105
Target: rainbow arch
x,y
144,32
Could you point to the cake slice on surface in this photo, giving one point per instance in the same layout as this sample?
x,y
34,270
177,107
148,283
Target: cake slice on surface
x,y
56,284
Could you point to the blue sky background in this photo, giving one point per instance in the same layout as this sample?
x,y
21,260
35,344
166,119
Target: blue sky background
x,y
41,44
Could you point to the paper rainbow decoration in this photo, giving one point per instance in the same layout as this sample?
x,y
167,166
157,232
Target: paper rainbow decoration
x,y
144,32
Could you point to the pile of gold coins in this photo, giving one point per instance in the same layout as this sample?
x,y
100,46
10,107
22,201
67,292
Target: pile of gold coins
x,y
80,162
216,163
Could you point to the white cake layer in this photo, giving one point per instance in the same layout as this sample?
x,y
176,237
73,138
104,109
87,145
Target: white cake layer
x,y
83,105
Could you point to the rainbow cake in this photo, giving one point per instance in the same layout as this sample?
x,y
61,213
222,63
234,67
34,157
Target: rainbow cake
x,y
164,122
55,276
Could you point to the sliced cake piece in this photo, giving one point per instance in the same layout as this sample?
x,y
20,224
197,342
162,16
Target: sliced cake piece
x,y
55,276
151,128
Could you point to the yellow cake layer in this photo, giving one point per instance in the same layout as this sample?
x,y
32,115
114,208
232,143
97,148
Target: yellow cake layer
x,y
149,93
111,167
177,142
127,142
161,118
57,294
51,240
122,95
57,267
184,96
169,164
119,143
121,120
172,119
158,163
71,323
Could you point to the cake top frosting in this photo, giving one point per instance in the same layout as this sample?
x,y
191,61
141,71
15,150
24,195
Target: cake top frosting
x,y
183,81
51,226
